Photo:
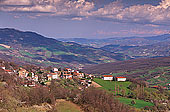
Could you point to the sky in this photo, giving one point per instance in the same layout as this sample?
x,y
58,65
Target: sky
x,y
87,18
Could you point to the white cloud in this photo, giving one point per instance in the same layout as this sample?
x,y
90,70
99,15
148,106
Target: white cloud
x,y
143,14
76,9
77,18
59,7
15,2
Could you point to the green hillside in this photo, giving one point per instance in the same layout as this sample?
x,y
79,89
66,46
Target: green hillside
x,y
110,85
154,71
33,48
139,103
127,91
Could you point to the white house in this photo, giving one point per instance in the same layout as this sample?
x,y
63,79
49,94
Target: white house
x,y
9,71
67,76
3,67
107,77
55,76
49,77
121,78
35,78
55,69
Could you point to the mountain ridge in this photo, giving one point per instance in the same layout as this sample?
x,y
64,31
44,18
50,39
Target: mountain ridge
x,y
124,41
34,47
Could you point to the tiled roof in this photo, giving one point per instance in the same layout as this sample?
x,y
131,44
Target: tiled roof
x,y
120,77
107,76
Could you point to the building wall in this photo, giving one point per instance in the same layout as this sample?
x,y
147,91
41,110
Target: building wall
x,y
121,79
55,77
55,69
108,78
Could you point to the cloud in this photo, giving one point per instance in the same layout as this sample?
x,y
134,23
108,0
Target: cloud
x,y
141,14
132,32
77,18
15,2
56,7
79,9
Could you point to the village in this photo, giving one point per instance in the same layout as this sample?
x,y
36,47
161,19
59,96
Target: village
x,y
35,77
43,76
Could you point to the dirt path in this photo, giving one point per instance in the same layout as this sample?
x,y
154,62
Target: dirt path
x,y
94,84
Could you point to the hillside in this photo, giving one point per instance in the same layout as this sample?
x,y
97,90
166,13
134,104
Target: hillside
x,y
122,41
30,47
154,50
131,47
154,70
20,92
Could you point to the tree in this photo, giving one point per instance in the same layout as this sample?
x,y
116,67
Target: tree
x,y
133,102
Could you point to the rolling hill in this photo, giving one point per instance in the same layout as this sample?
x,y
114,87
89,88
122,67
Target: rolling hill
x,y
155,71
122,41
30,47
130,47
160,49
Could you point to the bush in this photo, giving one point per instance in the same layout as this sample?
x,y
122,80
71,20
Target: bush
x,y
133,102
93,99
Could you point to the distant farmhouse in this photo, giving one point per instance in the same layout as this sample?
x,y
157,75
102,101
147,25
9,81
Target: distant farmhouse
x,y
107,77
110,78
121,78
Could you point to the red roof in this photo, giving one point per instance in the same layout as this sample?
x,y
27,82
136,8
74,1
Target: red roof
x,y
120,77
107,76
53,74
8,70
155,86
76,73
67,74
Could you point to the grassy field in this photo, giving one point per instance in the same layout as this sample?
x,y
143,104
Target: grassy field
x,y
139,103
66,106
110,85
2,48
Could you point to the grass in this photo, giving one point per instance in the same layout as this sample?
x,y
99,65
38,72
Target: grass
x,y
110,85
48,54
2,48
63,53
27,53
30,109
139,103
40,48
66,106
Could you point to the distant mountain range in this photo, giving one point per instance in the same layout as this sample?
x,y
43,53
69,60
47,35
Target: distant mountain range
x,y
30,47
131,47
33,48
122,41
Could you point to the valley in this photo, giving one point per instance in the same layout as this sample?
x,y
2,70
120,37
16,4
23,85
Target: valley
x,y
54,67
30,47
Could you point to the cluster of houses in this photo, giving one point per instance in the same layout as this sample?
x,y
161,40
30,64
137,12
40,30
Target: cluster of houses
x,y
110,78
31,78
